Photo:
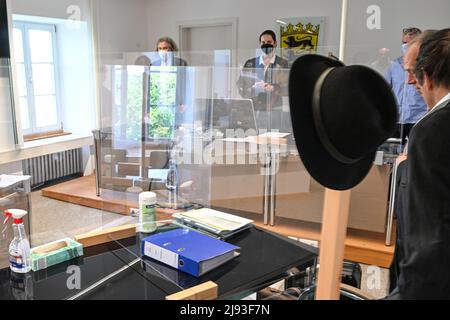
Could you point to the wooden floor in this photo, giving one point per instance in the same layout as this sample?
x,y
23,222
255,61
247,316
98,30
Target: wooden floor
x,y
82,191
360,246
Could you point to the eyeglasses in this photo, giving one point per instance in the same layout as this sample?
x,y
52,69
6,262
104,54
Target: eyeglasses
x,y
411,31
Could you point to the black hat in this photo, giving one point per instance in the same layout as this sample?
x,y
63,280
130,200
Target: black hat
x,y
340,116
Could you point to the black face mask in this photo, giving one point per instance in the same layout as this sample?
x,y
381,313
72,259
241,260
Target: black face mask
x,y
267,48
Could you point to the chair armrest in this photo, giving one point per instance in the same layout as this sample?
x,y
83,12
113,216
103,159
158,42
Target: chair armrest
x,y
357,292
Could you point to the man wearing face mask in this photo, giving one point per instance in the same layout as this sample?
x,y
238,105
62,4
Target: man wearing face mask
x,y
411,105
264,79
166,48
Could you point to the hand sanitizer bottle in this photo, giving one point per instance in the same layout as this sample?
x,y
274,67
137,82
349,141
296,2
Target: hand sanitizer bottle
x,y
19,249
147,212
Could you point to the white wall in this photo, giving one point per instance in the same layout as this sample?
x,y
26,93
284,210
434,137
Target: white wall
x,y
254,16
258,15
11,168
51,8
363,44
121,26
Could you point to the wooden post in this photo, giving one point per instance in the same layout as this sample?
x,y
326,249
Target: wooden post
x,y
335,217
334,228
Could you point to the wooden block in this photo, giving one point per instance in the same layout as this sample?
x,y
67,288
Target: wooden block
x,y
49,134
107,235
204,291
187,294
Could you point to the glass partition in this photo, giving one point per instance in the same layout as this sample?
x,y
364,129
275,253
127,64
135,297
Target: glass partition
x,y
193,115
7,111
227,136
230,138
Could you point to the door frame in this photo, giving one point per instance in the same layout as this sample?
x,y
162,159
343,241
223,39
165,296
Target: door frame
x,y
219,22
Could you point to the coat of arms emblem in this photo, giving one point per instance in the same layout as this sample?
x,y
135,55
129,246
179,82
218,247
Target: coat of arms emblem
x,y
299,39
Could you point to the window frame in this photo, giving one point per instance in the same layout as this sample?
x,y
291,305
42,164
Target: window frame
x,y
159,70
122,105
25,27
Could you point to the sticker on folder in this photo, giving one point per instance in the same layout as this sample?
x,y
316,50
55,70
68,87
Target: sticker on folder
x,y
188,251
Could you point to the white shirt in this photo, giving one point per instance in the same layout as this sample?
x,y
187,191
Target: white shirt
x,y
441,104
272,61
166,63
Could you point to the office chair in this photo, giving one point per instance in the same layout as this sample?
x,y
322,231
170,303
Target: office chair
x,y
306,285
159,159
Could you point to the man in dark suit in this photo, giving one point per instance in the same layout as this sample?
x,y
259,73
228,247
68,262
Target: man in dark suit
x,y
264,79
423,254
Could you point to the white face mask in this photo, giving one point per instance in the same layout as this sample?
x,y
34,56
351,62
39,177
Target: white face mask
x,y
404,48
165,55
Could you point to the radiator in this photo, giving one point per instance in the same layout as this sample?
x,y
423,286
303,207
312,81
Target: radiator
x,y
52,167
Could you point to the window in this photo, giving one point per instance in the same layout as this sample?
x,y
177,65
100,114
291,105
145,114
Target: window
x,y
36,66
128,96
162,97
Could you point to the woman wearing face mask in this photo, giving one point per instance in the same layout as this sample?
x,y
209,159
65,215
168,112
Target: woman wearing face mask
x,y
264,79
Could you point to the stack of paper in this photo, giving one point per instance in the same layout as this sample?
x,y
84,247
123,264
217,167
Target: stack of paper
x,y
274,134
213,221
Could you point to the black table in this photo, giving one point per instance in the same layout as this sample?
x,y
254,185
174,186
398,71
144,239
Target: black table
x,y
116,271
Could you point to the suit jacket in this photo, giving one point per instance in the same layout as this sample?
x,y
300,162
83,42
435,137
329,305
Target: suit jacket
x,y
423,253
276,75
177,62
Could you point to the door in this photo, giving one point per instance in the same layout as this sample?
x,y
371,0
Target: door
x,y
210,47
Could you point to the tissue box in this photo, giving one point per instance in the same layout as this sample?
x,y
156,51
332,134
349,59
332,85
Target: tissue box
x,y
55,252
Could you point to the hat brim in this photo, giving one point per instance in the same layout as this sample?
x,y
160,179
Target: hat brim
x,y
325,169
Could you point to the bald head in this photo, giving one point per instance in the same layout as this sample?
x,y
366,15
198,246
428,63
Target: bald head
x,y
384,51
